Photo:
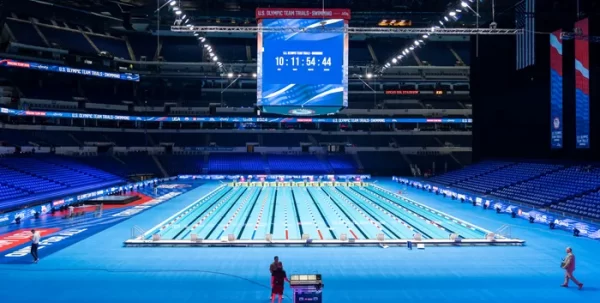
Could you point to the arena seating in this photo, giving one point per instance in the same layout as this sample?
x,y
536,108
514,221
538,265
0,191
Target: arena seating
x,y
564,188
342,164
28,179
554,187
184,165
506,176
25,33
236,163
587,205
384,163
478,169
307,164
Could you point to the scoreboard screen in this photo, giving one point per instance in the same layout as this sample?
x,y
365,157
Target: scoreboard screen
x,y
303,71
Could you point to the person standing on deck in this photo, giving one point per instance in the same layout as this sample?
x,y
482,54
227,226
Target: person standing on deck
x,y
35,243
277,282
568,265
272,269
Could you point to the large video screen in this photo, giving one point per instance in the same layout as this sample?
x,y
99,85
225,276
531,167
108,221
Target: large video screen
x,y
302,72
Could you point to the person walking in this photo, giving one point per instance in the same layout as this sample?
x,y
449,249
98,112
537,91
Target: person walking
x,y
35,243
568,264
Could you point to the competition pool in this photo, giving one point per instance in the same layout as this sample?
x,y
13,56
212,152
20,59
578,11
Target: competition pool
x,y
315,213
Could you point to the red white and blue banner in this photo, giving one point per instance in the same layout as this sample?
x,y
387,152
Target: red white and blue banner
x,y
582,85
45,114
302,13
556,90
586,229
69,70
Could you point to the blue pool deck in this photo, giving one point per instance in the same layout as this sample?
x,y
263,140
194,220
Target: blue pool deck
x,y
100,269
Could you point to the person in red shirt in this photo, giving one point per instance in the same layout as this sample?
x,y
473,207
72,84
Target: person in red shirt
x,y
277,282
569,266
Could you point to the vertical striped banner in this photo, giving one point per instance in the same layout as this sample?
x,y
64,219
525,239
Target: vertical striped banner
x,y
582,85
525,21
556,90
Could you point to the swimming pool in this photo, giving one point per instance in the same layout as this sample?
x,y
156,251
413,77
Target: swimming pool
x,y
267,213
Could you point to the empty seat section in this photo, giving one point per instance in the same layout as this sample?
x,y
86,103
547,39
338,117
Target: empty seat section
x,y
45,177
437,54
235,163
233,140
182,165
182,49
370,141
128,139
308,164
73,40
232,50
506,176
554,187
25,33
284,140
342,164
114,46
587,205
470,172
359,52
143,45
181,139
384,163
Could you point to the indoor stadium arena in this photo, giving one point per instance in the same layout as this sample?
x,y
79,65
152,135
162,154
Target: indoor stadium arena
x,y
165,151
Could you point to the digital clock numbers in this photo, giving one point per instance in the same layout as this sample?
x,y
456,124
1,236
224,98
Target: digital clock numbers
x,y
303,61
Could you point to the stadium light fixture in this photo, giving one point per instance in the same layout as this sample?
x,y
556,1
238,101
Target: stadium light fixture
x,y
464,4
187,20
394,60
230,75
206,46
399,57
254,75
411,48
173,2
177,12
202,39
416,42
196,34
369,75
425,36
184,16
215,58
452,14
446,18
176,8
442,23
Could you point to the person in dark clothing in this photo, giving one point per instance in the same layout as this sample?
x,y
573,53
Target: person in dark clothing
x,y
277,282
272,268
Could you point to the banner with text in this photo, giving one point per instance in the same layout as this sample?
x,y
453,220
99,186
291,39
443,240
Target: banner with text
x,y
302,13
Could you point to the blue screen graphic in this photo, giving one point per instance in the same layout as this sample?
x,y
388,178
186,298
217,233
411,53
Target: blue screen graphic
x,y
304,68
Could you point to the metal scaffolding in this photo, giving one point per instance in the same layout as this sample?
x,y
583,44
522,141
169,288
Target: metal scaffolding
x,y
350,30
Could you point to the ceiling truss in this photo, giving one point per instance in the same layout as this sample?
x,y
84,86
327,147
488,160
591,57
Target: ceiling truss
x,y
350,30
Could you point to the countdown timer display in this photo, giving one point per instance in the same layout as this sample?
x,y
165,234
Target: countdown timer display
x,y
303,69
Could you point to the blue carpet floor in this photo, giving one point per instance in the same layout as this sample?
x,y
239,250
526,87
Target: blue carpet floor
x,y
99,269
